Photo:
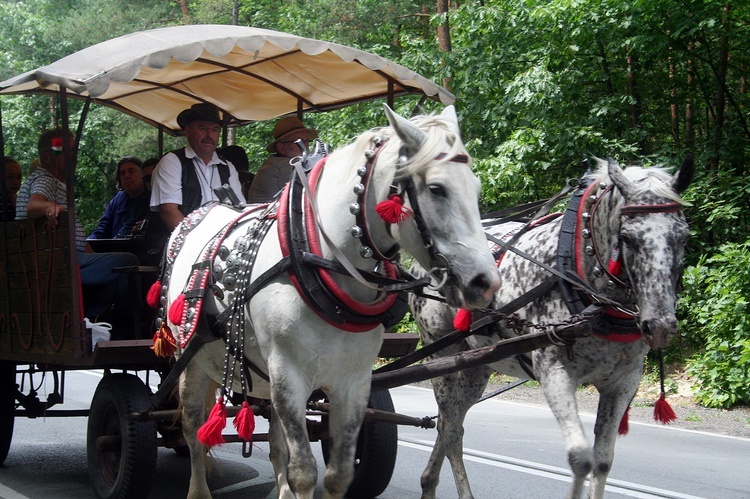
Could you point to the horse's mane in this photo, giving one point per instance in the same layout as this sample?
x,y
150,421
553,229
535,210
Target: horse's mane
x,y
655,180
438,130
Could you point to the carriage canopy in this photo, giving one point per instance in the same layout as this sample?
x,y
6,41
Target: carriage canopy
x,y
251,74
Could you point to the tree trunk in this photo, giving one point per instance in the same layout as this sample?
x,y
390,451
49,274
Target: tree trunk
x,y
443,32
185,12
721,77
689,118
673,111
635,114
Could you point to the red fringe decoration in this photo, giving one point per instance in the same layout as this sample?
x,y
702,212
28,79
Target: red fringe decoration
x,y
244,422
175,310
164,343
210,433
663,412
624,427
615,263
153,295
392,210
462,320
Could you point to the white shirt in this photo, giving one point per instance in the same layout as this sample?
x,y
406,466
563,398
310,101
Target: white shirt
x,y
166,181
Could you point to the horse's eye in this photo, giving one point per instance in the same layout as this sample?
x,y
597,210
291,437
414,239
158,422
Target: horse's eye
x,y
437,190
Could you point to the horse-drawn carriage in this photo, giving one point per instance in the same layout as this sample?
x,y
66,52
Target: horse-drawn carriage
x,y
298,292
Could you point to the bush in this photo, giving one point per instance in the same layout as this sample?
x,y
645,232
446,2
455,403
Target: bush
x,y
714,311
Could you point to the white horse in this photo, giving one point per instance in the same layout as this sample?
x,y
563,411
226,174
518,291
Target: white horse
x,y
308,328
625,236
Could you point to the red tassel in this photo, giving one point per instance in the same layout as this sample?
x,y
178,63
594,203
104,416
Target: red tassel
x,y
175,310
153,295
164,343
624,427
210,433
663,412
462,320
615,263
392,210
244,422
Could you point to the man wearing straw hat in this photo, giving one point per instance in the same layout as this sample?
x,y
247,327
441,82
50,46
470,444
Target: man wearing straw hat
x,y
275,172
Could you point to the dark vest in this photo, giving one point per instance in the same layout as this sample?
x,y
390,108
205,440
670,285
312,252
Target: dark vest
x,y
191,188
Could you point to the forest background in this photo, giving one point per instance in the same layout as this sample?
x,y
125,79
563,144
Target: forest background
x,y
540,86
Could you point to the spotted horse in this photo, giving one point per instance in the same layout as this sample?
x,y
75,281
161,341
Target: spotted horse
x,y
618,247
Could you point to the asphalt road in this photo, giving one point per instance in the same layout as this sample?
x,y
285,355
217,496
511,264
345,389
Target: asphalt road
x,y
511,451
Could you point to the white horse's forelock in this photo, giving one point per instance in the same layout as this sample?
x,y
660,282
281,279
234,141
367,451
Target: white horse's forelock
x,y
655,180
437,133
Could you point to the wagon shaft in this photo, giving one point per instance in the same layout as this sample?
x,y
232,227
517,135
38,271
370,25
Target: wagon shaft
x,y
476,357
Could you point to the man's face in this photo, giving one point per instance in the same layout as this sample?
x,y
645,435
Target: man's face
x,y
203,137
287,147
131,179
13,177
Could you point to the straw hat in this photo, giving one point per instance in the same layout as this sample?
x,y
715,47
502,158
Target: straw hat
x,y
287,126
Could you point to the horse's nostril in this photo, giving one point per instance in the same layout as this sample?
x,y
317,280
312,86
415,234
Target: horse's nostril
x,y
480,283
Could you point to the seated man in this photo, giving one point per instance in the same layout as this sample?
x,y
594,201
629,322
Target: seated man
x,y
276,171
128,206
44,194
185,179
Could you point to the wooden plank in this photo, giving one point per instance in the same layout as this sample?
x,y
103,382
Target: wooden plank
x,y
38,296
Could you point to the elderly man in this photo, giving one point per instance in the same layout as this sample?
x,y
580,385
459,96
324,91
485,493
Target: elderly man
x,y
275,172
185,178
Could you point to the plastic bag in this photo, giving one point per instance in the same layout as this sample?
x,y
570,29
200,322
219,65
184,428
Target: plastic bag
x,y
100,331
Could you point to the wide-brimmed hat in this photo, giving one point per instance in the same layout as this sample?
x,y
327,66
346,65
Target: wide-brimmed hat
x,y
204,111
287,126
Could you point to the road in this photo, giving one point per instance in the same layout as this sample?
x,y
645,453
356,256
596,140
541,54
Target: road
x,y
512,451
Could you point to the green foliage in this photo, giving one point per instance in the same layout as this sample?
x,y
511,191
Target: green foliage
x,y
539,87
716,318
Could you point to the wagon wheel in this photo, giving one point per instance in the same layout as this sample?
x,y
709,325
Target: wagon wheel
x,y
375,457
7,407
121,453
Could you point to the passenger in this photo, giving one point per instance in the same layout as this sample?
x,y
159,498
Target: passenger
x,y
275,172
13,180
185,178
238,157
128,206
147,170
44,194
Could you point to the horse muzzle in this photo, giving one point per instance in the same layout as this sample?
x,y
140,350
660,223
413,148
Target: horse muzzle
x,y
473,293
659,331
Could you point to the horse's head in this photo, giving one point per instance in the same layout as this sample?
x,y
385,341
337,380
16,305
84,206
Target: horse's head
x,y
431,174
652,238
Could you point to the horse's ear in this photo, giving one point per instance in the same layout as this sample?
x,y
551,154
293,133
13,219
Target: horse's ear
x,y
684,176
618,177
409,133
449,113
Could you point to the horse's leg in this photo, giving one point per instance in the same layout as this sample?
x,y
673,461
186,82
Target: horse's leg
x,y
292,458
348,404
279,457
613,401
193,386
560,392
455,394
